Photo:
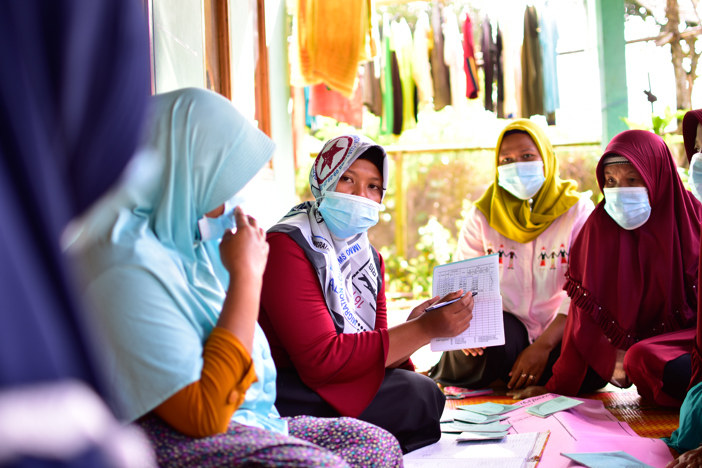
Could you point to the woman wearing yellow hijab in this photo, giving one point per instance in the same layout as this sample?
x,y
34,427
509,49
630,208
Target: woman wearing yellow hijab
x,y
529,217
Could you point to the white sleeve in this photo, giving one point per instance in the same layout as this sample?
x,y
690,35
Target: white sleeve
x,y
564,307
470,239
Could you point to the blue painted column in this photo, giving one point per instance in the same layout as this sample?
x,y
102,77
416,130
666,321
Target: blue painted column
x,y
611,52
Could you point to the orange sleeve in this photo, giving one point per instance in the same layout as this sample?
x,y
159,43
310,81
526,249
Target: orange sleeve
x,y
204,408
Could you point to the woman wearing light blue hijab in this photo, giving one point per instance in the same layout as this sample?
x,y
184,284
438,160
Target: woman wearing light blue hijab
x,y
187,359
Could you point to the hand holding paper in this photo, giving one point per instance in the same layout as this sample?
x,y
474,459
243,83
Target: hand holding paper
x,y
477,275
451,319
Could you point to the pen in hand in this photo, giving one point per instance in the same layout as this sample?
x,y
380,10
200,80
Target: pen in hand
x,y
443,304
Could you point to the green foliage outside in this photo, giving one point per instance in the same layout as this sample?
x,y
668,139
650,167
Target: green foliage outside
x,y
659,125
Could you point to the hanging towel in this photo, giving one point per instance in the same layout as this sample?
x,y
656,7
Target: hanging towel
x,y
532,76
421,70
387,122
330,103
372,94
548,38
453,57
472,86
402,39
439,70
333,38
511,58
372,91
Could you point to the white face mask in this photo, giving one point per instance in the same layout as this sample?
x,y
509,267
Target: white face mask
x,y
628,206
695,175
522,179
214,228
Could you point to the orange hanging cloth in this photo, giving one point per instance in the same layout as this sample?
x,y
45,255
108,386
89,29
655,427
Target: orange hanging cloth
x,y
332,39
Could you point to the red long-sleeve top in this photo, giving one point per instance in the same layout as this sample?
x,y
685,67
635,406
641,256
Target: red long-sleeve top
x,y
346,370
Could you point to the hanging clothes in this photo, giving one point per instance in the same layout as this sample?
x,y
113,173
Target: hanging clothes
x,y
321,39
439,70
387,121
472,86
330,103
372,94
453,57
532,76
310,120
492,66
421,70
402,38
548,38
398,105
511,57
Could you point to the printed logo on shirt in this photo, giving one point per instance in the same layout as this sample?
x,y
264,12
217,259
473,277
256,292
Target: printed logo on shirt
x,y
553,258
321,243
501,253
511,255
563,255
346,254
332,155
489,250
542,259
365,291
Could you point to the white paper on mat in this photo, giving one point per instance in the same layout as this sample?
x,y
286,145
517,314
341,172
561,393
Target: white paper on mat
x,y
481,275
511,452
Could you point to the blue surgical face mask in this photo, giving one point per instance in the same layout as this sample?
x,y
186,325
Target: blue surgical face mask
x,y
347,215
628,206
695,175
214,228
522,179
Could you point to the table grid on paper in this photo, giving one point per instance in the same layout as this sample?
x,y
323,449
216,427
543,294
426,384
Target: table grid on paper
x,y
473,279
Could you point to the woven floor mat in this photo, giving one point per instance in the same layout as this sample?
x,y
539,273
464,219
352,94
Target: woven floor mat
x,y
647,421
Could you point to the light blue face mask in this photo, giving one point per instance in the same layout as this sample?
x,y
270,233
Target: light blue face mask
x,y
214,228
347,215
628,206
522,179
695,175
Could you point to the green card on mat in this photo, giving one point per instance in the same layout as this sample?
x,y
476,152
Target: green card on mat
x,y
489,409
549,407
606,460
475,418
458,426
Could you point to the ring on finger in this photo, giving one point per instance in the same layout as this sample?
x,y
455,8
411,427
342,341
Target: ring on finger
x,y
524,375
531,377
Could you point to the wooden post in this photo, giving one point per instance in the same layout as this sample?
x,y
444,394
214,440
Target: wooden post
x,y
400,206
612,59
225,77
263,106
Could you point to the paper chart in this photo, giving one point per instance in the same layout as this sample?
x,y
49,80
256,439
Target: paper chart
x,y
479,275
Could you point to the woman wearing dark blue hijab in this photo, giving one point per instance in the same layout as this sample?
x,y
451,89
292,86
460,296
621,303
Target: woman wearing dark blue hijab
x,y
73,92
